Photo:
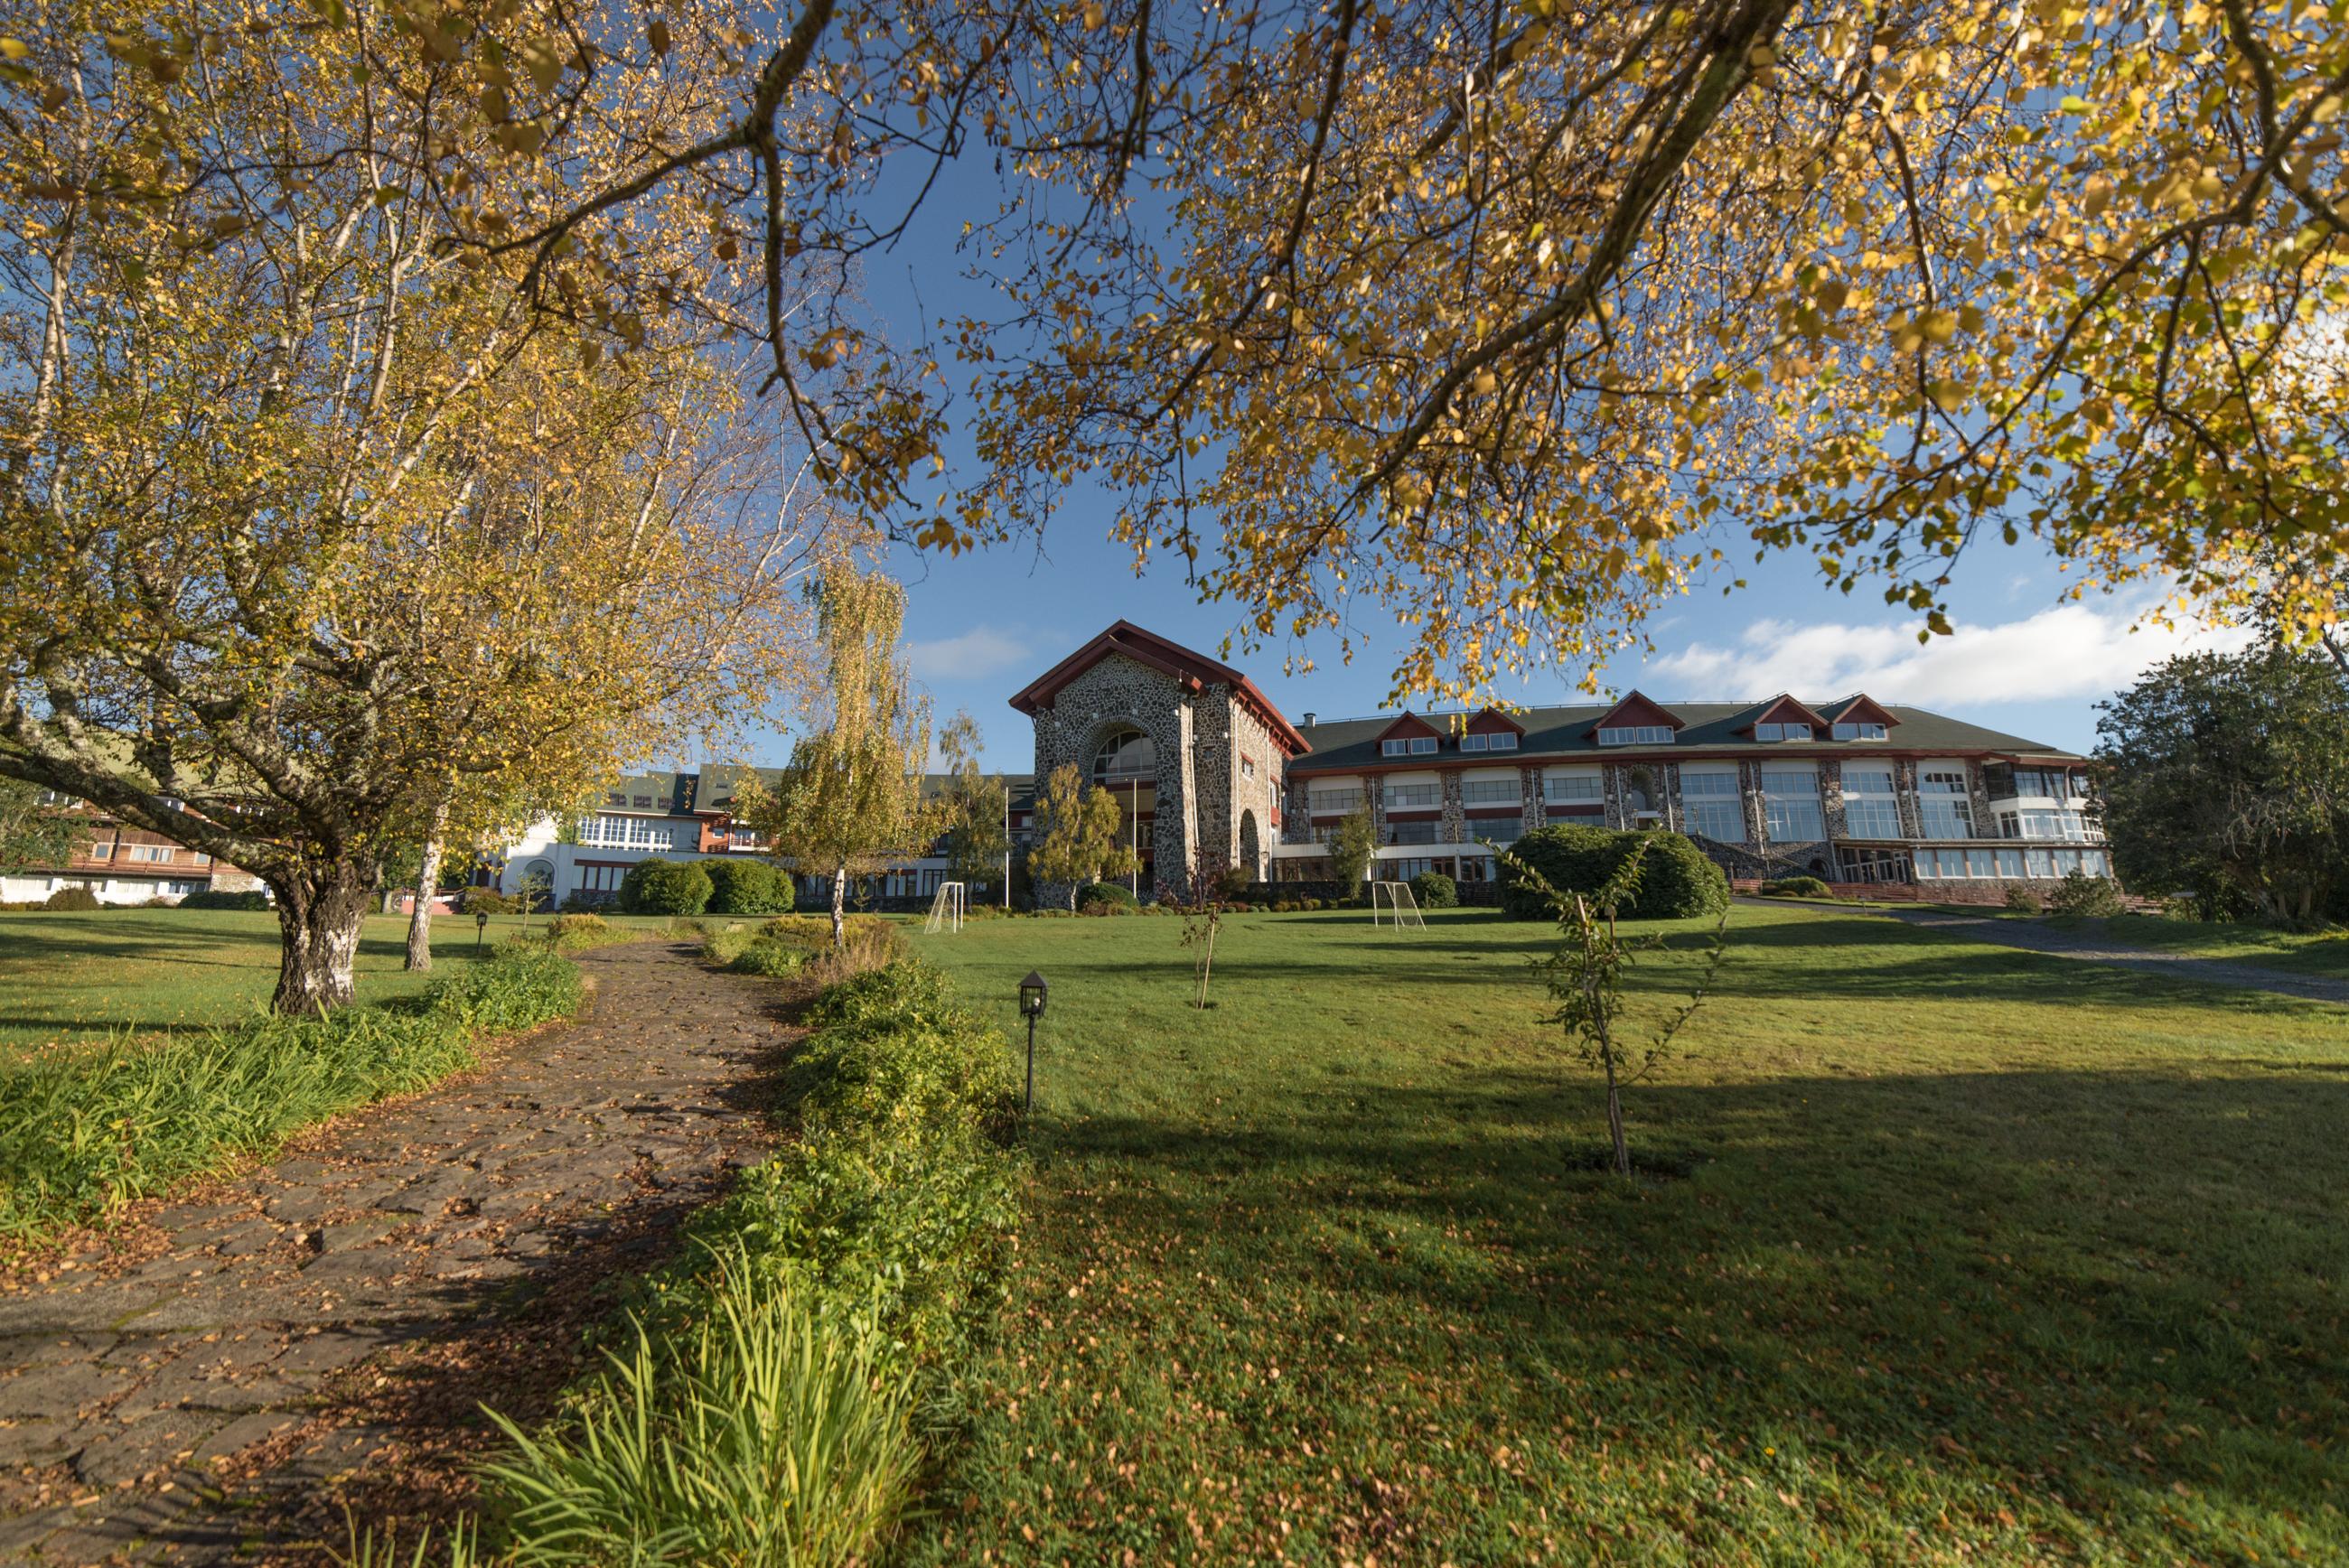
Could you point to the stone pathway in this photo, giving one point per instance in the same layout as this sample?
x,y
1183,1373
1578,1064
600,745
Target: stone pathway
x,y
2092,945
219,1379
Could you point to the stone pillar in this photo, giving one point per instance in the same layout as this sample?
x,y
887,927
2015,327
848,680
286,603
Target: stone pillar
x,y
1675,815
1374,790
1296,817
1533,816
1904,787
1749,795
1455,827
1831,798
1978,802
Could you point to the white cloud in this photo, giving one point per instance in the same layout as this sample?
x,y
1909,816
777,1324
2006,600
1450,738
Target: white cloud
x,y
974,654
2071,651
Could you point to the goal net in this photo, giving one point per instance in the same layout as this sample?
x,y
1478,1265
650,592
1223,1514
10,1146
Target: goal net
x,y
946,910
1392,903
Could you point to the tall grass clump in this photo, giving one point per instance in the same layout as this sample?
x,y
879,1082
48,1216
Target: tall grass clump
x,y
770,1398
86,1131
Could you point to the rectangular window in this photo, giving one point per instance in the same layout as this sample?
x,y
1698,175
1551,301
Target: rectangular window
x,y
2093,861
2038,863
1562,786
625,833
1412,832
1635,735
1472,742
2010,863
1491,792
1870,809
1504,740
1782,732
1856,731
1324,800
1391,748
1790,806
1942,801
1248,767
100,852
1980,863
1410,795
1423,745
1711,804
2067,861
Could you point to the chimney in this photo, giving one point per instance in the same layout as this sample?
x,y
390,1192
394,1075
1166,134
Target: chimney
x,y
1309,721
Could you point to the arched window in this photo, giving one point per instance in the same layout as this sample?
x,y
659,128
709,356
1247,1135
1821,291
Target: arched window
x,y
1127,754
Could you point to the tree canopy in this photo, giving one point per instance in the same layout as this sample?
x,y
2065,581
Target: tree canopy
x,y
1512,319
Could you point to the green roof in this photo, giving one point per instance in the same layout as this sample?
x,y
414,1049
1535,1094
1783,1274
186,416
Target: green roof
x,y
1711,727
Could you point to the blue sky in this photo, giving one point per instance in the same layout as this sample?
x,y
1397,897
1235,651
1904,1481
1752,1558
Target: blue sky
x,y
2023,660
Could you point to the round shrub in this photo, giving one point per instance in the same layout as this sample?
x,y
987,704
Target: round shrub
x,y
1101,892
80,900
2079,894
1241,908
1676,880
768,957
747,887
2021,899
665,887
253,901
1797,887
1433,890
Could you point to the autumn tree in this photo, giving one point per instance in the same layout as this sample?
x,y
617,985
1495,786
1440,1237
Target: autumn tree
x,y
32,833
277,571
975,810
1354,845
1080,834
850,801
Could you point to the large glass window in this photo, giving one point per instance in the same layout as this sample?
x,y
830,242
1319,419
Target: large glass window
x,y
1491,791
1562,785
1410,795
609,833
1857,731
1635,735
1412,832
1326,800
2066,825
1790,805
1870,809
1711,804
1942,801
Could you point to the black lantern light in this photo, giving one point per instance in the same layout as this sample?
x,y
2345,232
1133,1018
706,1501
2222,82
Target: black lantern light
x,y
1031,1008
481,924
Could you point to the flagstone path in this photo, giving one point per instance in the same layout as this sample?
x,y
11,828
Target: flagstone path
x,y
222,1376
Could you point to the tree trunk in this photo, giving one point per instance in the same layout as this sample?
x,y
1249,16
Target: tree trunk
x,y
318,912
839,908
1615,1118
428,883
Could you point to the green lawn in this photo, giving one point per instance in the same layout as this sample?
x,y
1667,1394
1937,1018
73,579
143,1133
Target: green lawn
x,y
2302,952
1984,1257
78,977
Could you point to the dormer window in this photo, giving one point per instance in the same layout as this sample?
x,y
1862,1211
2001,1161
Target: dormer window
x,y
1505,740
1635,735
1472,742
1860,732
1782,732
1391,748
1423,745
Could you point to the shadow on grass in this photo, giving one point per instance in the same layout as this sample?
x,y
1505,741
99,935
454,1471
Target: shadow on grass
x,y
2113,1289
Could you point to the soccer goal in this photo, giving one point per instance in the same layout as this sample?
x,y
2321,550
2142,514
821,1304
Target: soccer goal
x,y
1393,900
946,910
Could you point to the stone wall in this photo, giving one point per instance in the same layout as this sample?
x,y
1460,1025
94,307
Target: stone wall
x,y
1116,693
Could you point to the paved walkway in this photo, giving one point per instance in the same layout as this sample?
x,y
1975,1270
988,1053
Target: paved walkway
x,y
2088,942
219,1380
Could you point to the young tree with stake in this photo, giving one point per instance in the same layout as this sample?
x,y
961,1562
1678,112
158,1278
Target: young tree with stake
x,y
1080,835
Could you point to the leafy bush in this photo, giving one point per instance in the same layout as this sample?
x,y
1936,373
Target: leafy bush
x,y
1433,890
768,957
762,1407
1102,892
2021,899
86,1131
571,933
1238,908
2083,895
489,901
253,901
1676,880
665,887
748,887
1797,887
1232,882
80,900
723,946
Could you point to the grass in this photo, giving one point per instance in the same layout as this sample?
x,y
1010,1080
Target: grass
x,y
2297,952
1983,1256
81,978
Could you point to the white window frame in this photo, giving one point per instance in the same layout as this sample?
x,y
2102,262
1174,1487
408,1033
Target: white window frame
x,y
1635,735
1857,732
1424,745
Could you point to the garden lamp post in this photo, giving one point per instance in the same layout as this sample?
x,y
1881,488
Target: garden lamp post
x,y
1031,1008
481,924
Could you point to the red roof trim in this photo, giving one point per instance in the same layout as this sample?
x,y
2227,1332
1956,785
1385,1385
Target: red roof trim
x,y
1639,705
1189,667
1873,712
1488,720
1782,709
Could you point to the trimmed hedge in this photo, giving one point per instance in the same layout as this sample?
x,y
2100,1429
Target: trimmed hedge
x,y
748,887
86,1131
665,887
75,900
1116,895
251,901
1433,890
1676,880
1797,887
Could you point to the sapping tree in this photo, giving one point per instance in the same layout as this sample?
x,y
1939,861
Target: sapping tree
x,y
850,802
310,525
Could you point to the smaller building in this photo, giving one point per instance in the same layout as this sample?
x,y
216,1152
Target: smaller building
x,y
122,864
